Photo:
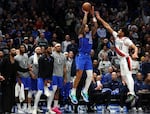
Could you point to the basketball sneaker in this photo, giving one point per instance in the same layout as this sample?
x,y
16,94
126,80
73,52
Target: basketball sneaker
x,y
73,98
85,96
130,98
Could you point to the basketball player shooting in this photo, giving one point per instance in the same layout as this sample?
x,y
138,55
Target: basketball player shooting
x,y
122,45
83,59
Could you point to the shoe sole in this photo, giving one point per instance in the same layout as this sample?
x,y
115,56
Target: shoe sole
x,y
84,97
72,100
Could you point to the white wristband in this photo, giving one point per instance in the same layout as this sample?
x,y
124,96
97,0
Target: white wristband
x,y
94,19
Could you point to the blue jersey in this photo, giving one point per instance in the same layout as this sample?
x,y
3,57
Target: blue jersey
x,y
85,43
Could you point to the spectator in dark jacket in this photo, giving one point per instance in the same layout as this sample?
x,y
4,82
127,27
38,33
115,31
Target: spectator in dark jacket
x,y
95,67
146,66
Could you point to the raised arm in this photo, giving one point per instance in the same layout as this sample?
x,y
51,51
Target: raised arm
x,y
105,24
84,22
95,25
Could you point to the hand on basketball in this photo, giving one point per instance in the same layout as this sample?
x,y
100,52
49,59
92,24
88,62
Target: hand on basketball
x,y
85,12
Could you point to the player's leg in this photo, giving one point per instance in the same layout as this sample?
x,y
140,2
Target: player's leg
x,y
55,87
127,76
27,85
32,90
40,87
50,99
84,92
80,62
55,93
89,72
75,84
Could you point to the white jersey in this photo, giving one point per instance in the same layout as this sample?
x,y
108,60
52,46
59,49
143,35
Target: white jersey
x,y
122,45
122,49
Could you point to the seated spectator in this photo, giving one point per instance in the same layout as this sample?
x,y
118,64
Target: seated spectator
x,y
95,67
135,67
103,52
139,87
147,83
93,54
103,42
104,64
118,90
115,63
108,76
112,52
98,94
146,65
142,88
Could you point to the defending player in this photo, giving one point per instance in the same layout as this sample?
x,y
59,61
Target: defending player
x,y
122,45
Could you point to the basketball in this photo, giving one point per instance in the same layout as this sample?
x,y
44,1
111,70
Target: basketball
x,y
86,6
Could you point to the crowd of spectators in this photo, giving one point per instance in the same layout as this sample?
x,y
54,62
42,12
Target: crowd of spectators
x,y
43,23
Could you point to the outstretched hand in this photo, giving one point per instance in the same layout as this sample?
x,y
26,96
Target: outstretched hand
x,y
92,11
97,14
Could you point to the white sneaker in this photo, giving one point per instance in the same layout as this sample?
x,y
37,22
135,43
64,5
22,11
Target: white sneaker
x,y
121,109
20,111
140,109
34,111
108,109
134,109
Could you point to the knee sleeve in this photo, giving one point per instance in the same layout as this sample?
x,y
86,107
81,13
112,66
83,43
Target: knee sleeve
x,y
89,73
29,94
54,88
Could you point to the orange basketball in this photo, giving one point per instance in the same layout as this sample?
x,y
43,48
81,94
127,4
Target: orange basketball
x,y
86,6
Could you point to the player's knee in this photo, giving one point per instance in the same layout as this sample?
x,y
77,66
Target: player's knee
x,y
30,94
89,73
54,88
39,92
